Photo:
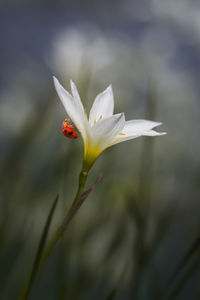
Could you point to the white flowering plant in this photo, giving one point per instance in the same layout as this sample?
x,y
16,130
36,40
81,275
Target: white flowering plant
x,y
100,130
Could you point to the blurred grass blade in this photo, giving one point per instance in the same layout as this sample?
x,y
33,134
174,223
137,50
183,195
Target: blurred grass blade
x,y
44,237
41,245
190,259
41,255
181,282
112,294
192,251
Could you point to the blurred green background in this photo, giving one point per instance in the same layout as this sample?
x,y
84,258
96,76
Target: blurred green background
x,y
144,216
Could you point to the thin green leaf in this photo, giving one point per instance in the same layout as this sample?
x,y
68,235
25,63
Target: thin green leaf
x,y
42,256
112,294
28,285
173,293
192,251
188,260
44,237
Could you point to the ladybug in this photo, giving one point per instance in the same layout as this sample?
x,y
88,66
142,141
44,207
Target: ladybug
x,y
68,130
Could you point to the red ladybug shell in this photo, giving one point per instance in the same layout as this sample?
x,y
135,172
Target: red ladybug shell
x,y
68,130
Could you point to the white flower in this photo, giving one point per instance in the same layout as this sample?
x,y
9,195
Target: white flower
x,y
103,128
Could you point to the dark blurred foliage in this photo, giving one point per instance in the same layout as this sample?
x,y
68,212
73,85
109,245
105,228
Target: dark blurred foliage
x,y
137,234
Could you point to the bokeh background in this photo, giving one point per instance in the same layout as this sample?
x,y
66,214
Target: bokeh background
x,y
136,227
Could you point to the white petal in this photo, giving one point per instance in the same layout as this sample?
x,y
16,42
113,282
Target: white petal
x,y
153,133
136,128
76,96
103,106
105,130
73,108
139,125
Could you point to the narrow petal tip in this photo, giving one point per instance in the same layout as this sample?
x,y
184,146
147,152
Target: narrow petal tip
x,y
120,116
154,133
158,124
153,123
109,89
55,79
56,83
72,84
123,115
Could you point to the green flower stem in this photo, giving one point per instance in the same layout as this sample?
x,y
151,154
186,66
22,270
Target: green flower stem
x,y
71,213
80,197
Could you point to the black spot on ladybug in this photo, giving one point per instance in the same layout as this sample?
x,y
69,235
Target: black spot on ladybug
x,y
65,131
70,132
